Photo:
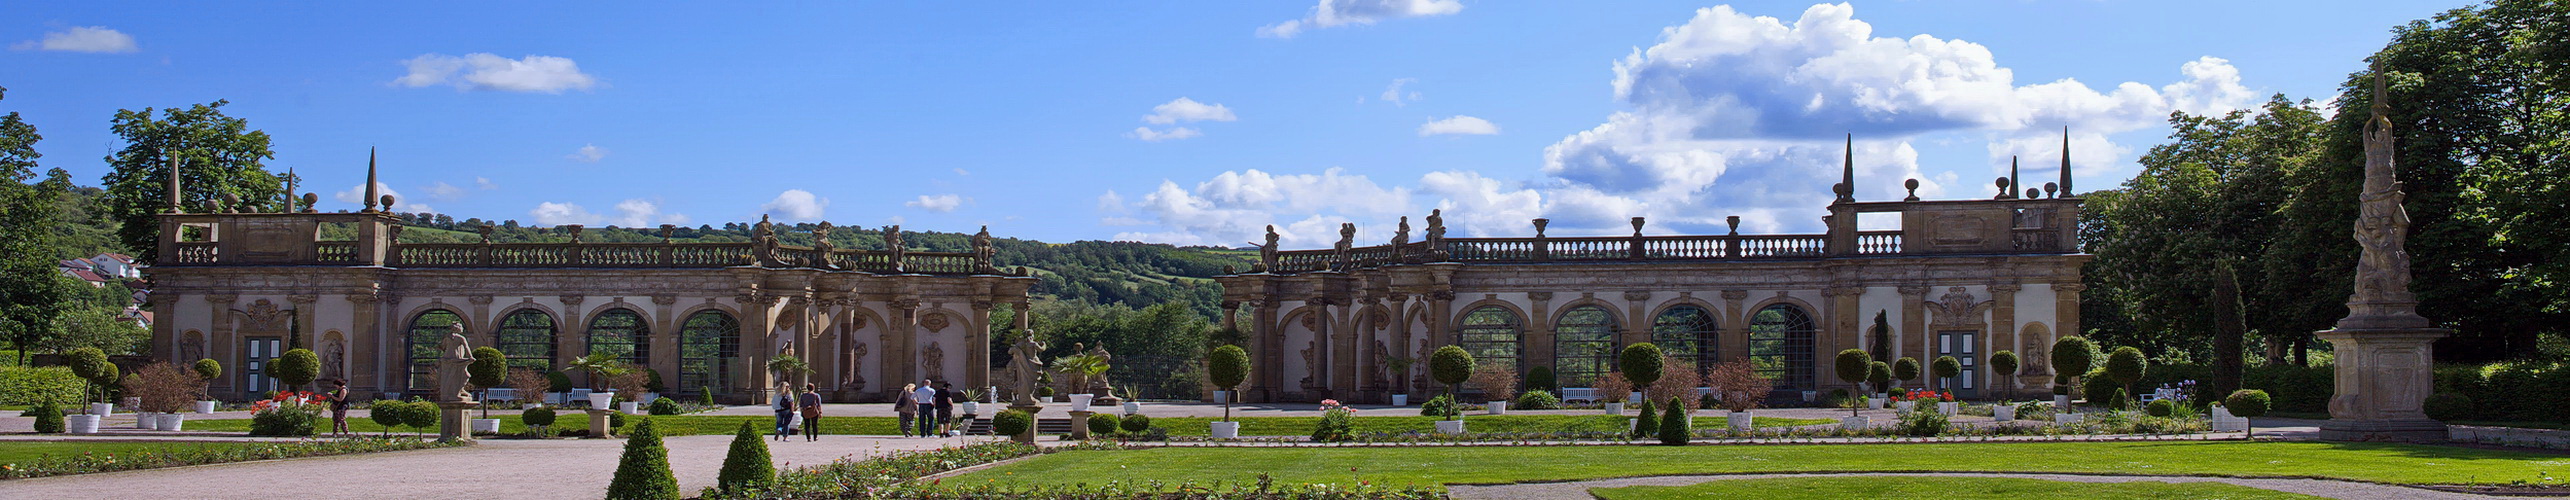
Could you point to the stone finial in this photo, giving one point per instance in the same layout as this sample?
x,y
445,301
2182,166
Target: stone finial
x,y
1913,186
1540,222
310,200
387,201
2052,190
2032,193
486,233
372,193
1637,227
2003,188
231,202
175,199
667,230
2065,160
1847,175
2013,183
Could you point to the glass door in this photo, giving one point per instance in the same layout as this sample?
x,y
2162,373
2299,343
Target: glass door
x,y
1964,346
262,350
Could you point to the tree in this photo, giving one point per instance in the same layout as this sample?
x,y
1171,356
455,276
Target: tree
x,y
2126,366
2071,356
31,295
1451,366
1879,374
296,368
2247,404
643,472
748,467
96,327
1230,368
91,366
208,369
1946,367
1906,369
2004,365
217,155
1851,367
490,369
1882,335
1641,363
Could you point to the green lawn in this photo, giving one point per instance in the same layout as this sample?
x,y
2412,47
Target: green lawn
x,y
2388,463
1251,426
1966,488
12,452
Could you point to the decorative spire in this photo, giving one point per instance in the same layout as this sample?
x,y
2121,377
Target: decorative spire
x,y
1847,173
370,179
2013,184
289,190
2065,161
173,196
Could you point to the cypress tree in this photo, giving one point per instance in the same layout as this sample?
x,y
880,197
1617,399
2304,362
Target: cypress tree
x,y
643,473
1647,423
748,467
1673,426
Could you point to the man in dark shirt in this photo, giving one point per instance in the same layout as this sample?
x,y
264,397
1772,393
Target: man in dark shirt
x,y
945,406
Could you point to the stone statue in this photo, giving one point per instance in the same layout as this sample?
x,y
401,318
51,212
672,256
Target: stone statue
x,y
1311,362
933,360
1382,371
454,354
821,246
2382,298
983,253
1100,352
1344,249
334,358
1267,251
1401,233
892,243
1436,235
1022,359
856,367
763,237
2385,349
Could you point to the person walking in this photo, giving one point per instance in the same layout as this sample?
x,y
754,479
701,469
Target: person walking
x,y
338,407
907,407
925,398
784,411
811,402
945,407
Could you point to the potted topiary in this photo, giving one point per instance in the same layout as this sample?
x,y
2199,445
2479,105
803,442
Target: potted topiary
x,y
1641,365
1015,424
1878,374
296,368
557,388
95,373
1741,389
1450,365
1946,368
2071,356
1906,370
2127,365
490,369
2246,404
538,420
1400,371
1610,392
206,371
1498,385
1228,366
1852,367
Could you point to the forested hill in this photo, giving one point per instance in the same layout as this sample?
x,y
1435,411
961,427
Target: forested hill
x,y
1133,274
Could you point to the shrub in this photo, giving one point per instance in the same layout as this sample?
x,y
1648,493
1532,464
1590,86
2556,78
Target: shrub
x,y
1612,388
1898,393
1450,365
1136,423
1906,369
1230,365
1647,422
296,368
387,414
1673,426
2101,390
422,414
24,386
665,406
2160,408
1337,424
748,466
1540,379
1837,396
556,381
537,417
2448,406
1442,406
1739,385
490,368
1852,364
1104,424
643,472
2072,355
208,369
1945,367
48,418
162,387
1537,400
2003,363
2247,404
1011,423
1678,380
2126,366
615,420
1879,375
1923,423
1641,363
651,381
287,414
1497,383
707,394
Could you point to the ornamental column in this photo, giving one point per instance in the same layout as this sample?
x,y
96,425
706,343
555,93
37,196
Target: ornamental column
x,y
2384,347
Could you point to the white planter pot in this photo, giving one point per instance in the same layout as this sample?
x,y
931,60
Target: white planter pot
x,y
1852,423
206,406
629,407
1740,421
1497,407
144,420
2222,413
490,425
1875,403
102,409
2060,402
972,408
2065,417
1400,400
1132,407
80,424
170,421
1450,427
2003,412
600,399
1226,430
1615,408
1905,406
1080,402
1809,396
1948,408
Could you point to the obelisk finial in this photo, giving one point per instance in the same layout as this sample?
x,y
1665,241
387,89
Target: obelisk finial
x,y
2013,183
2065,161
175,203
1847,173
370,180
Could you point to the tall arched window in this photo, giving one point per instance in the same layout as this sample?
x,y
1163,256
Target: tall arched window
x,y
1490,333
708,344
426,330
1688,332
1780,344
1583,345
526,336
621,333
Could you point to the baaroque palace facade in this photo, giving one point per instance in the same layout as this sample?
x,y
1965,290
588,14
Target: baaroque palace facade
x,y
242,287
1960,278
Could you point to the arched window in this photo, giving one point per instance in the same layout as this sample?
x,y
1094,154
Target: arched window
x,y
1690,333
426,330
526,336
1490,333
1583,345
1780,344
708,343
621,333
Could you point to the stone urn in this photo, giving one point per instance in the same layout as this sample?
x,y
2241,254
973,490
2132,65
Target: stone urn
x,y
1080,402
600,399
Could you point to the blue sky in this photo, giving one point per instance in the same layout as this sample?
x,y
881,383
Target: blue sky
x,y
1178,122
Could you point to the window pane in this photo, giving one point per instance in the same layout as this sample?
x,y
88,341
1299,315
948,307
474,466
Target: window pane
x,y
1583,342
426,330
1780,345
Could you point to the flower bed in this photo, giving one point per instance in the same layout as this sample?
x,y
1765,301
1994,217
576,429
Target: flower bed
x,y
874,477
177,455
287,414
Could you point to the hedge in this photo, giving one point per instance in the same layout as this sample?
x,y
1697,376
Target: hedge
x,y
23,386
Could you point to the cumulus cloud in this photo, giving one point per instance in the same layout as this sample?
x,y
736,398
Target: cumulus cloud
x,y
936,203
1393,94
90,39
1188,110
1459,125
484,183
484,71
1235,207
588,153
636,212
796,204
356,195
1147,134
1335,13
441,191
555,214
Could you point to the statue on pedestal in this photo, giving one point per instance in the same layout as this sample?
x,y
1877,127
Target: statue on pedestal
x,y
1022,359
2385,349
454,355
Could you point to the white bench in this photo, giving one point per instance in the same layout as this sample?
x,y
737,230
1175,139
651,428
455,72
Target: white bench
x,y
500,394
1581,394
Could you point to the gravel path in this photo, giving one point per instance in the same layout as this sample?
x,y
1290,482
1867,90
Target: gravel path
x,y
495,468
2347,490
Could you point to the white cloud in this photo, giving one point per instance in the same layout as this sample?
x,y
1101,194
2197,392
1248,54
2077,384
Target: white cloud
x,y
1393,94
1335,13
1147,134
1235,206
796,204
555,214
936,203
484,71
484,183
356,195
1187,110
91,39
961,172
441,191
631,213
1111,202
588,153
1458,125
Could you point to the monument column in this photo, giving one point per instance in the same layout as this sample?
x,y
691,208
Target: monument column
x,y
2385,349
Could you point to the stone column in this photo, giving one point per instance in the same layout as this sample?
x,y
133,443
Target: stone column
x,y
365,332
221,345
1441,311
1735,325
305,333
571,336
1846,332
2003,332
1912,339
1397,343
901,346
665,339
1636,324
977,347
1535,348
1266,352
758,317
2065,309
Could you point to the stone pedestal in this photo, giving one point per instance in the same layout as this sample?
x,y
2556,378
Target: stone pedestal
x,y
598,428
1080,424
452,425
1031,410
2383,377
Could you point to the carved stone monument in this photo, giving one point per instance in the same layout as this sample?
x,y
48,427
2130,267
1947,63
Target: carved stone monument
x,y
1022,360
2384,347
453,398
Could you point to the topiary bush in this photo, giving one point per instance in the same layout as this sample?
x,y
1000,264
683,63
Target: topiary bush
x,y
1229,365
536,418
1906,369
1851,365
1540,379
1946,367
387,414
2160,408
615,421
665,406
1441,406
1103,424
556,381
208,369
1923,423
643,472
90,364
1673,426
296,368
747,467
1450,365
1538,399
48,418
1641,364
1647,422
1879,374
2101,389
1011,423
2072,355
2448,406
2247,404
2126,366
1136,423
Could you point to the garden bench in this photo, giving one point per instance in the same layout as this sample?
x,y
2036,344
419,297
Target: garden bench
x,y
500,394
1580,394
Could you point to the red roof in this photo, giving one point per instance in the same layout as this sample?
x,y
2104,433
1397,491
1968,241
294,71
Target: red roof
x,y
76,264
119,257
85,275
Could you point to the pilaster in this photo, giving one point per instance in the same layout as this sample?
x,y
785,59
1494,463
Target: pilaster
x,y
1912,339
2003,332
1536,347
